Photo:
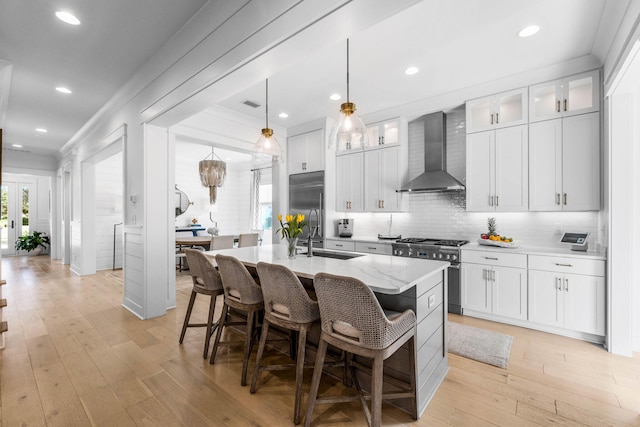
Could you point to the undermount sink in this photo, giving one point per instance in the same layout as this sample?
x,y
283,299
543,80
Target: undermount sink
x,y
335,255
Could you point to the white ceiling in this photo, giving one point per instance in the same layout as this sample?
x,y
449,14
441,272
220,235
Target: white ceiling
x,y
456,44
94,60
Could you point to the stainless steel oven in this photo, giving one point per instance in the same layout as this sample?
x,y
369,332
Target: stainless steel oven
x,y
437,249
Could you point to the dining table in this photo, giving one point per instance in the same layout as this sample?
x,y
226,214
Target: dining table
x,y
204,241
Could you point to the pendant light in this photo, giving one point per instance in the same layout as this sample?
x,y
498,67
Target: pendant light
x,y
349,133
267,148
212,174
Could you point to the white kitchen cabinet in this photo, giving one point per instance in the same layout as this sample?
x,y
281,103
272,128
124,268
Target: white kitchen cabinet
x,y
349,182
565,97
564,164
497,111
495,284
341,244
374,248
563,297
497,170
305,152
382,178
384,133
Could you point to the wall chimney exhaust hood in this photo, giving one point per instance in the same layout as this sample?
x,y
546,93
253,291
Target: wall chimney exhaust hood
x,y
435,178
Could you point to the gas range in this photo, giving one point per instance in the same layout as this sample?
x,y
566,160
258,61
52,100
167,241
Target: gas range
x,y
419,247
437,249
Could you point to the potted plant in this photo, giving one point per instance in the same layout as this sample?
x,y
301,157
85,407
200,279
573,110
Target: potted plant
x,y
33,242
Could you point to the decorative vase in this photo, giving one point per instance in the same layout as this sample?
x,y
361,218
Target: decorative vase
x,y
292,242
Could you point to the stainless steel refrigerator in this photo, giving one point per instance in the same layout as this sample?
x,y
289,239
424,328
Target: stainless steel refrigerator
x,y
306,196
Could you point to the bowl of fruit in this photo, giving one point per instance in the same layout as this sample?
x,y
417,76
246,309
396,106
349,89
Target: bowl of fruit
x,y
491,238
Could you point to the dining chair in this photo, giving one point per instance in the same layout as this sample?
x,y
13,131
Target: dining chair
x,y
352,320
286,305
248,239
221,242
206,281
241,293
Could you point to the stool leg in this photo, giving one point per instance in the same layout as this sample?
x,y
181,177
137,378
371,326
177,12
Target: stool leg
x,y
376,391
263,343
212,307
412,376
248,341
187,316
315,381
223,320
302,342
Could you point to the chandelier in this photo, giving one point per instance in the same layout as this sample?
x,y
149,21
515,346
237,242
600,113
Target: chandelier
x,y
212,174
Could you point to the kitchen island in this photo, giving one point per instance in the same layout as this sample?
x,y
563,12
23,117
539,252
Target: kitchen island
x,y
399,284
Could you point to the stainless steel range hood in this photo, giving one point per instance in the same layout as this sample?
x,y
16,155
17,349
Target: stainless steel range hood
x,y
435,177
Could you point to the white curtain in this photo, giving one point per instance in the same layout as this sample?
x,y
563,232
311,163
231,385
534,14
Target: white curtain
x,y
255,200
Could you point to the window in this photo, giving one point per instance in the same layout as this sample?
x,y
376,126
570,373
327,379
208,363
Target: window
x,y
265,213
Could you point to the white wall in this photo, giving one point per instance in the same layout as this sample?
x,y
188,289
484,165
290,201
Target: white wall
x,y
108,205
233,205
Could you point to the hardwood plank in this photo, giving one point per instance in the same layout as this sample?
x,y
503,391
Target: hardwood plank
x,y
611,416
103,408
22,407
84,374
42,351
151,413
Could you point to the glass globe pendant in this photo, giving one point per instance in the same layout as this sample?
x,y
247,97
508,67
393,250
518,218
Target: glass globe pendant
x,y
267,149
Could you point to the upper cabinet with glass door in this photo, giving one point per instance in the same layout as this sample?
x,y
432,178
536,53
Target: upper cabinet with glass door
x,y
497,111
569,96
384,133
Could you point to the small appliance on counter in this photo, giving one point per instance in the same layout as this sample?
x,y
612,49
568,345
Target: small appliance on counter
x,y
345,227
578,241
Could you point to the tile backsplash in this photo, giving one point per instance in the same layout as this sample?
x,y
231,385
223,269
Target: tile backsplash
x,y
443,215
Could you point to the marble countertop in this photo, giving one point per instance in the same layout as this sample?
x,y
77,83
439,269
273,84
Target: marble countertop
x,y
532,250
382,273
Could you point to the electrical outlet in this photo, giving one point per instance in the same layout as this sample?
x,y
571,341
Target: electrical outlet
x,y
432,300
133,220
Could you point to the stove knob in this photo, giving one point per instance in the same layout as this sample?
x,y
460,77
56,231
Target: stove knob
x,y
433,255
454,257
448,256
440,256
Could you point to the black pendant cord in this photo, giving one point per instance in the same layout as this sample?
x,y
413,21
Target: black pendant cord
x,y
347,70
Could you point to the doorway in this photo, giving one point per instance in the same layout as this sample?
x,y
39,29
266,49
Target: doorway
x,y
16,202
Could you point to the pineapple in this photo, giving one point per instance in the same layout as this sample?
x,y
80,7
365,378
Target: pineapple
x,y
491,224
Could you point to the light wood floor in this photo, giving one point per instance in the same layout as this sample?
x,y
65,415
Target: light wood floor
x,y
75,357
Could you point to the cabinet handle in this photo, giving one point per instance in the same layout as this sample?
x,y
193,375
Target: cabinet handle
x,y
304,166
373,248
491,118
566,285
565,199
565,105
558,106
338,245
382,138
558,281
383,204
497,204
492,258
564,265
558,199
497,121
490,200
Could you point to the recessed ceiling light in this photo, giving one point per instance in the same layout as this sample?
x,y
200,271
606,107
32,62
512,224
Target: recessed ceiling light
x,y
67,17
16,145
41,130
335,97
410,71
529,31
283,115
63,90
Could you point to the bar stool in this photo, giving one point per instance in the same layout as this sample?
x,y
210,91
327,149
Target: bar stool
x,y
248,239
286,305
221,242
206,281
352,320
241,293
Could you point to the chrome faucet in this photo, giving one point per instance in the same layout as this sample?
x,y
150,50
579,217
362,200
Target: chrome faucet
x,y
312,231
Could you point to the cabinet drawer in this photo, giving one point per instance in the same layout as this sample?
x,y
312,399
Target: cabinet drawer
x,y
373,248
495,258
588,267
342,245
